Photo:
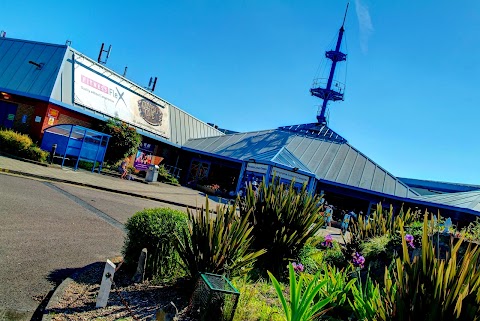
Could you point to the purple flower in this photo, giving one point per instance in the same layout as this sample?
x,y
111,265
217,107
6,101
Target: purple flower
x,y
328,241
409,239
297,267
358,260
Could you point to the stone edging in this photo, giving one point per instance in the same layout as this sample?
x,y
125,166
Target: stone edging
x,y
58,293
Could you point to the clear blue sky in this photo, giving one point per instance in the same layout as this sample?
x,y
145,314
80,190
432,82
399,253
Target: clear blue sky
x,y
411,102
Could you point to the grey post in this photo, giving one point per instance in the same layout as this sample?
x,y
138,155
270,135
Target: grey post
x,y
142,263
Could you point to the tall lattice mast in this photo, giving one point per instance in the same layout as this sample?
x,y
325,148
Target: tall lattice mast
x,y
324,90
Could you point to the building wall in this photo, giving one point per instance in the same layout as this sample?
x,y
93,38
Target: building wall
x,y
26,116
61,115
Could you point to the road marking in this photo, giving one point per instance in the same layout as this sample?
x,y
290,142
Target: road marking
x,y
102,215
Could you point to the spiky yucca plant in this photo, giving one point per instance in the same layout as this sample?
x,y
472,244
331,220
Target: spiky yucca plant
x,y
283,220
217,243
427,287
381,223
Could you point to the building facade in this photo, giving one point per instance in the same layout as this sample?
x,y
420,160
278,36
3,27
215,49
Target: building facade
x,y
43,84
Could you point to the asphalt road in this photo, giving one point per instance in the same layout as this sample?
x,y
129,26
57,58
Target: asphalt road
x,y
47,230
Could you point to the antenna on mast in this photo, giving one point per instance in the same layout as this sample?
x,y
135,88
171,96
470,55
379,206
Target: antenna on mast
x,y
322,88
151,84
345,16
100,54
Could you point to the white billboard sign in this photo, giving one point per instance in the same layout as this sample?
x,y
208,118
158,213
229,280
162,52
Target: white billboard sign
x,y
106,96
288,175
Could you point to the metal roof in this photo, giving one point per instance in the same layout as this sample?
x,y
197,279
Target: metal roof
x,y
284,157
427,187
28,67
20,74
324,153
468,200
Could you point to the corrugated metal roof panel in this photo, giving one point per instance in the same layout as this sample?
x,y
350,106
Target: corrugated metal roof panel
x,y
336,164
400,189
267,156
18,75
318,150
469,200
347,166
367,175
324,165
389,184
357,171
378,179
209,144
331,160
285,157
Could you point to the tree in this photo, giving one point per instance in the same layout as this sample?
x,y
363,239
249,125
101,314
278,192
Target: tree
x,y
124,141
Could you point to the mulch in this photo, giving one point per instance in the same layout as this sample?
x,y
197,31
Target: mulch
x,y
144,300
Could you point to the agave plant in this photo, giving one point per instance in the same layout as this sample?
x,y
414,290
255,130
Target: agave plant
x,y
302,305
283,220
217,243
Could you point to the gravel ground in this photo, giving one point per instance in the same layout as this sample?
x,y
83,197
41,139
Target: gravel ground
x,y
145,300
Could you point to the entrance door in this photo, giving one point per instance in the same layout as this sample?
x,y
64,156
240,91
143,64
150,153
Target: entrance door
x,y
198,171
7,114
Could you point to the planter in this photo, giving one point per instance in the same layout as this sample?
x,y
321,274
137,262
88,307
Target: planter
x,y
206,189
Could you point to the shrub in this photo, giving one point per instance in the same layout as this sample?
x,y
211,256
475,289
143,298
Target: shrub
x,y
258,302
311,258
217,243
13,142
124,140
374,247
35,153
21,145
472,231
165,177
335,256
283,221
86,165
155,230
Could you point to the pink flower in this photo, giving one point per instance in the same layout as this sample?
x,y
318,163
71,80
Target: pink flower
x,y
358,260
409,238
328,241
297,267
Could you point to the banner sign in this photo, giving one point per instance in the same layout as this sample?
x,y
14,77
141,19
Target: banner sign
x,y
257,168
288,175
105,95
142,160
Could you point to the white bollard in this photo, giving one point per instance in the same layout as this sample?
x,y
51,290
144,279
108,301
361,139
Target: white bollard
x,y
106,284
